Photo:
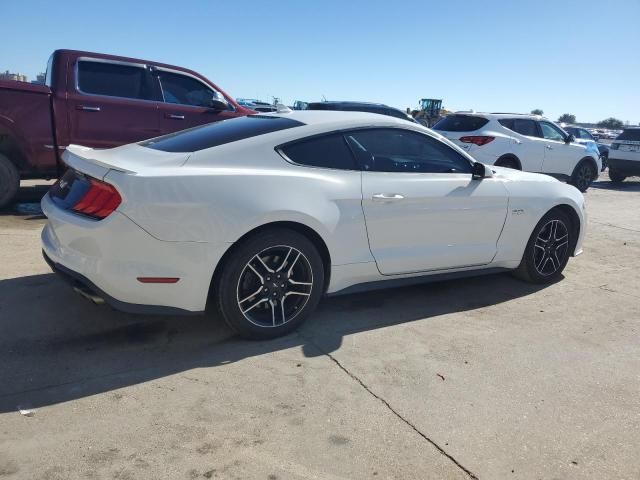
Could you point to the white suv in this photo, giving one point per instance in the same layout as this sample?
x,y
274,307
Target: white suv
x,y
526,142
624,155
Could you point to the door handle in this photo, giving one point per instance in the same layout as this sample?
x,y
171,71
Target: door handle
x,y
88,109
388,196
175,116
548,147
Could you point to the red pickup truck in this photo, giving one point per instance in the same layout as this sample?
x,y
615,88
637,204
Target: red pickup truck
x,y
99,101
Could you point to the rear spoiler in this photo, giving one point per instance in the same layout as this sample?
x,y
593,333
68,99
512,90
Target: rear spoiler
x,y
87,160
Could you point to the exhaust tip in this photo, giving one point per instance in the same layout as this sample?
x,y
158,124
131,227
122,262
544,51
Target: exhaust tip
x,y
88,295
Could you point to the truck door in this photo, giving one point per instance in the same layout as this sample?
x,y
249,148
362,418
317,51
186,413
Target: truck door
x,y
187,101
111,103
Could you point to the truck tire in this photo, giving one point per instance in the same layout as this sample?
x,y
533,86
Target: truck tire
x,y
9,181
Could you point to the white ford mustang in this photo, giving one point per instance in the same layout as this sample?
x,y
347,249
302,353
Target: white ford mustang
x,y
260,216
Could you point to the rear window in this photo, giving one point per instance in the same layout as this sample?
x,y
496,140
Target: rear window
x,y
460,123
219,133
114,80
632,134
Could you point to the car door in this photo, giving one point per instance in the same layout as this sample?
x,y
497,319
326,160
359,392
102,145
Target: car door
x,y
423,210
528,146
187,101
112,103
560,157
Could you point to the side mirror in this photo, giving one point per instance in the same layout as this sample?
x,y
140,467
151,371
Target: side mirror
x,y
479,171
570,139
218,102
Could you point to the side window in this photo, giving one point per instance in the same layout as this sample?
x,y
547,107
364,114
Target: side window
x,y
114,80
586,135
551,132
521,126
397,150
328,151
525,127
184,90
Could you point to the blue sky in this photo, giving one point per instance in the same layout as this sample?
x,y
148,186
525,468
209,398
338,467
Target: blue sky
x,y
577,57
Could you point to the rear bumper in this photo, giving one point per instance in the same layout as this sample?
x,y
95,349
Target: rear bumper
x,y
105,258
628,167
87,289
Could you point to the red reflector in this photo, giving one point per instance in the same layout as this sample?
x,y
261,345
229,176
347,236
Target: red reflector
x,y
158,279
477,139
100,200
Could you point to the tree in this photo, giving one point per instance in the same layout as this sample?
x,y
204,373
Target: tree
x,y
611,124
567,118
537,111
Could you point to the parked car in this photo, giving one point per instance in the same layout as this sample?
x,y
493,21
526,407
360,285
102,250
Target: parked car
x,y
524,142
624,155
582,135
262,215
257,105
361,107
99,101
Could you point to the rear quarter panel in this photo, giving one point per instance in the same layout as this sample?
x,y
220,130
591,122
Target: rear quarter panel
x,y
221,203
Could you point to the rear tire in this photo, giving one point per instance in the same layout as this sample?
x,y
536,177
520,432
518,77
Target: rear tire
x,y
270,284
548,249
615,176
9,181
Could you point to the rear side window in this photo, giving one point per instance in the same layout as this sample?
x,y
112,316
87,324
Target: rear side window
x,y
328,151
219,133
114,80
521,126
460,123
632,134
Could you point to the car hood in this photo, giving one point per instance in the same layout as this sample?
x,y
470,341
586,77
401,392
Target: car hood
x,y
518,175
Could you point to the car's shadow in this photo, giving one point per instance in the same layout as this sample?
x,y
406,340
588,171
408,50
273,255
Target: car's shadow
x,y
631,184
56,347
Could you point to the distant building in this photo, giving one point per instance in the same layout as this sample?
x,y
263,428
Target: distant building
x,y
40,78
18,77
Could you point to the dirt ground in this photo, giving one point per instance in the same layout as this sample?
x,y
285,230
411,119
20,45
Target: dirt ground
x,y
485,377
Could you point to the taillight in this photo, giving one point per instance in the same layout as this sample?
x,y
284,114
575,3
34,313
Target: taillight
x,y
477,139
99,201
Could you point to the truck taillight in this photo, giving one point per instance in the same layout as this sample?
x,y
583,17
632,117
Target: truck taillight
x,y
477,139
99,201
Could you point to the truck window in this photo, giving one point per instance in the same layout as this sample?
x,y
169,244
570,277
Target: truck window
x,y
114,80
184,90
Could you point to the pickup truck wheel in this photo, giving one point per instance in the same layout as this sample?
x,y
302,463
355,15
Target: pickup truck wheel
x,y
9,181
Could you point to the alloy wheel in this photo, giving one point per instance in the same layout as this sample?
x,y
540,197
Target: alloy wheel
x,y
274,286
551,247
584,177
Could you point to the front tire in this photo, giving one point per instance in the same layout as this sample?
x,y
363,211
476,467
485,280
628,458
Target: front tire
x,y
583,176
548,249
615,176
9,181
271,283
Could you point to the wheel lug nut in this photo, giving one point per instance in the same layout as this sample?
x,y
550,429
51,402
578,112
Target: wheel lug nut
x,y
282,285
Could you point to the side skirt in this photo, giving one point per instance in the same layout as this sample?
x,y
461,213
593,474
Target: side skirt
x,y
404,282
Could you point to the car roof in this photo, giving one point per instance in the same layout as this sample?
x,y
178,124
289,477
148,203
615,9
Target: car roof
x,y
497,115
349,104
324,117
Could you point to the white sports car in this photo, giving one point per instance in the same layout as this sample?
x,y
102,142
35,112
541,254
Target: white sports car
x,y
262,215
